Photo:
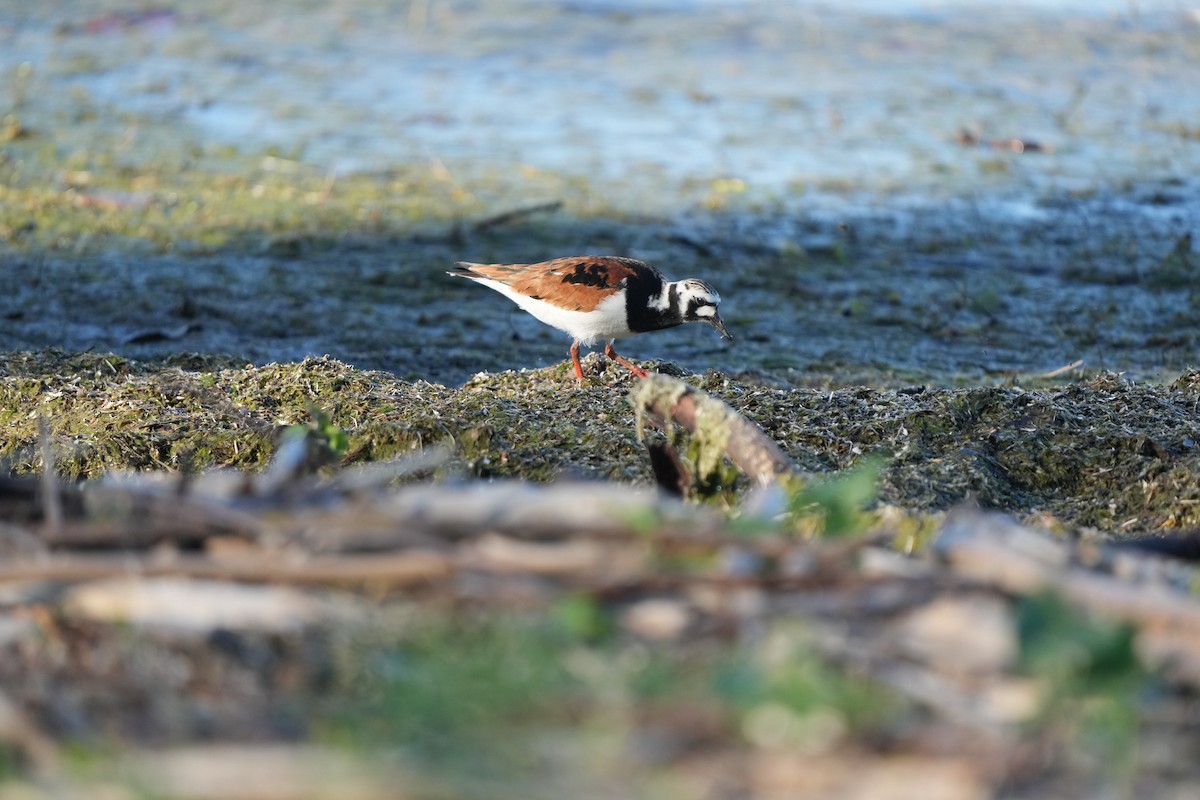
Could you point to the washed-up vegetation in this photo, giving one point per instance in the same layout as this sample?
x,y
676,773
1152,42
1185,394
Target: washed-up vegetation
x,y
1104,454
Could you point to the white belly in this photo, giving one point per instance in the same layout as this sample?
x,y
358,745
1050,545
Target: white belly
x,y
606,321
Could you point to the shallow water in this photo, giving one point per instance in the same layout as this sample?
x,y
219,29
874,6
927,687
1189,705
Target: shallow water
x,y
788,98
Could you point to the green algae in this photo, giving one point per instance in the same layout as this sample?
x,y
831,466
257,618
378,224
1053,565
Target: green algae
x,y
255,203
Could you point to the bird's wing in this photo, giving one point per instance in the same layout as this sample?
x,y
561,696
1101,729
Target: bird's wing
x,y
578,283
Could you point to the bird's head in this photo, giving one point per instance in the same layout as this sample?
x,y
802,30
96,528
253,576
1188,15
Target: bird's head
x,y
698,302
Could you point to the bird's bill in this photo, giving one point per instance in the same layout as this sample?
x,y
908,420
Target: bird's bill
x,y
715,321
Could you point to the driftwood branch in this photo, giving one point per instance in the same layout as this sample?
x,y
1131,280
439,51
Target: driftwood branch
x,y
996,550
562,510
390,569
665,400
145,518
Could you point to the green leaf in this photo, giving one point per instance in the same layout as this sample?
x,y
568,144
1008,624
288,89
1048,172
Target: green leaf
x,y
840,500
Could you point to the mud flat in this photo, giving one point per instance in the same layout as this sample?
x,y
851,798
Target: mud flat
x,y
923,194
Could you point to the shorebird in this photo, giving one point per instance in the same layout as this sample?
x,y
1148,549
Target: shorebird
x,y
595,298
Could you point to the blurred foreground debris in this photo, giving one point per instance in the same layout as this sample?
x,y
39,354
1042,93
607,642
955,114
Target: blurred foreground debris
x,y
214,562
354,527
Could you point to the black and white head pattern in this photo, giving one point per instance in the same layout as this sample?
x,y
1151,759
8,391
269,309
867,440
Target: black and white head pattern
x,y
655,303
697,301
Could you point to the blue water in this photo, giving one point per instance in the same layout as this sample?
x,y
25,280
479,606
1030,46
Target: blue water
x,y
724,100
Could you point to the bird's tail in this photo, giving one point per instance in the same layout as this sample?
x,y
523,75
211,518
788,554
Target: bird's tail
x,y
464,269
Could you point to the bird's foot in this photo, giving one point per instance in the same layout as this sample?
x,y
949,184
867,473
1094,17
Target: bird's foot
x,y
637,371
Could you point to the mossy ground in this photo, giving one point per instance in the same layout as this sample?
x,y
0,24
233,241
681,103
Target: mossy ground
x,y
1104,453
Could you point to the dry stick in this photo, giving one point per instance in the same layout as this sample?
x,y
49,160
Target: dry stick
x,y
1054,373
529,511
51,502
392,569
995,550
136,512
140,515
378,474
517,213
746,444
132,516
155,529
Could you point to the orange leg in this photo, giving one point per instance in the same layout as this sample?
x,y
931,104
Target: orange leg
x,y
575,361
634,368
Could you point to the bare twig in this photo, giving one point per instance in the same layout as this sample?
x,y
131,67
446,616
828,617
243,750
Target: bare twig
x,y
997,551
51,502
529,511
1054,373
389,569
515,214
376,475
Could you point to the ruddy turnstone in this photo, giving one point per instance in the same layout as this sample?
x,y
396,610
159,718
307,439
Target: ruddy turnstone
x,y
600,297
